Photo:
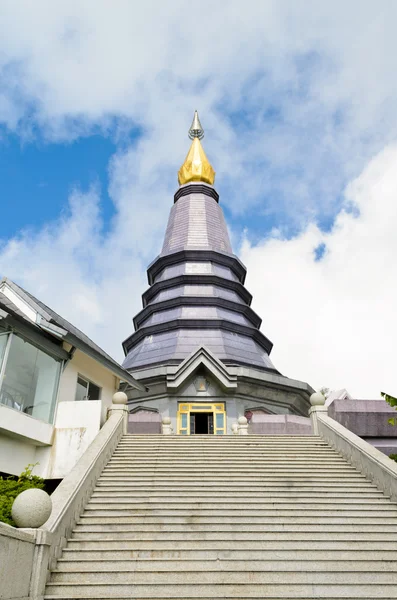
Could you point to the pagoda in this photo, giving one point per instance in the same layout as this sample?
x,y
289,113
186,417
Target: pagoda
x,y
197,344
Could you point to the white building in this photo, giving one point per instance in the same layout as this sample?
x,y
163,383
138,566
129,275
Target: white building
x,y
55,386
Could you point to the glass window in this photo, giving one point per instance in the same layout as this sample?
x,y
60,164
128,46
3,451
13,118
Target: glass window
x,y
219,421
30,380
82,389
86,390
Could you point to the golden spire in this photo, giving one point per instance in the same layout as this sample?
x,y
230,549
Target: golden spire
x,y
196,166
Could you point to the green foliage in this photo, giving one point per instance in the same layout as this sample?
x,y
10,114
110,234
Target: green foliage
x,y
393,402
11,487
393,457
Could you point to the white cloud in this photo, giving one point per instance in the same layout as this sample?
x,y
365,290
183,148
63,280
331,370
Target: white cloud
x,y
325,71
328,68
88,277
333,322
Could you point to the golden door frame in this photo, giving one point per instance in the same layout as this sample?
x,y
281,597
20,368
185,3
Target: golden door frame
x,y
217,408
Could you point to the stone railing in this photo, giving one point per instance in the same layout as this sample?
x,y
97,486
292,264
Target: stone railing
x,y
372,463
43,546
17,550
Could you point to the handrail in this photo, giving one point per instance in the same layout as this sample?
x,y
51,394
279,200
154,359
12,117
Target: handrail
x,y
70,498
375,465
72,484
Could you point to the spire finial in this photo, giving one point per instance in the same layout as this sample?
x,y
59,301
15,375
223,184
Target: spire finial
x,y
196,130
196,166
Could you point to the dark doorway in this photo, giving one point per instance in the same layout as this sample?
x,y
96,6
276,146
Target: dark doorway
x,y
201,423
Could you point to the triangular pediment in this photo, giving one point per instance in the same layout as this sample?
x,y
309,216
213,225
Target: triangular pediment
x,y
202,358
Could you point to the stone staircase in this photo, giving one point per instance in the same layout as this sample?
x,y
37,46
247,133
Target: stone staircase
x,y
230,517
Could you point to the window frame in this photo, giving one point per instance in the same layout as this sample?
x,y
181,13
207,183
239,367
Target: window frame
x,y
4,359
39,347
88,381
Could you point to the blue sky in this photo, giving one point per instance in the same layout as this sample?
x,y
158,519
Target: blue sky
x,y
36,179
298,104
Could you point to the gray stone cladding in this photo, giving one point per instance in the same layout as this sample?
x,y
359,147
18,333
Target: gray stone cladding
x,y
196,221
197,295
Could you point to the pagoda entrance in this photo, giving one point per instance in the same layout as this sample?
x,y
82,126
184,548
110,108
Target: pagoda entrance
x,y
201,419
201,423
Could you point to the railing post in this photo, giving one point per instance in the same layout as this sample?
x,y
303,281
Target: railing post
x,y
119,403
242,426
38,578
317,400
166,427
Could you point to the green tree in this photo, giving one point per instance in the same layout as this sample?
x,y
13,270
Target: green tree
x,y
393,402
393,421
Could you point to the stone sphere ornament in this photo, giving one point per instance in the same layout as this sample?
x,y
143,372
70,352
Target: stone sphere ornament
x,y
31,508
242,421
317,399
120,398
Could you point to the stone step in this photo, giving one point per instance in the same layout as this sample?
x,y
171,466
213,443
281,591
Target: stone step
x,y
63,594
277,450
225,441
264,492
323,541
236,523
217,465
217,443
129,437
275,591
159,436
376,525
190,468
229,443
224,536
351,475
240,447
226,455
185,555
277,515
285,521
211,441
281,496
151,451
280,508
356,487
171,578
237,480
188,498
222,441
346,471
227,565
234,481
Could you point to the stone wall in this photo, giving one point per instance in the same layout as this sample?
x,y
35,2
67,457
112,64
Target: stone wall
x,y
369,420
16,552
263,424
